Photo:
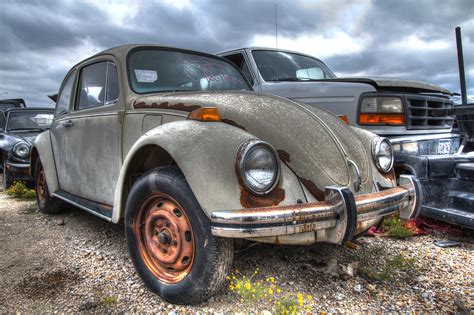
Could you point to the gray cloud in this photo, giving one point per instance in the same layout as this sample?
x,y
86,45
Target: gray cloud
x,y
41,40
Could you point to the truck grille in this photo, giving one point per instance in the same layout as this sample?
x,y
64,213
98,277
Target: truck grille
x,y
428,112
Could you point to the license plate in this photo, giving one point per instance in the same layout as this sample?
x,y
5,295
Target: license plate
x,y
444,146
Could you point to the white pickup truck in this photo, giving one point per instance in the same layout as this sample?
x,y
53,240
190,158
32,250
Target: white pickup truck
x,y
414,115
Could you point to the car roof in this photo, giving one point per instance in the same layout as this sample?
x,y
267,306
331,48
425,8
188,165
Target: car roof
x,y
268,48
123,50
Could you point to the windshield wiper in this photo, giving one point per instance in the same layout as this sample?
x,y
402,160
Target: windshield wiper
x,y
285,79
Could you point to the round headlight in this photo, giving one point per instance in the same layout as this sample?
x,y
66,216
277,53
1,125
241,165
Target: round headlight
x,y
383,154
259,167
21,150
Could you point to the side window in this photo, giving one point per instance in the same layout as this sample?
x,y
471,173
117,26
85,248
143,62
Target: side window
x,y
92,86
65,97
112,84
239,61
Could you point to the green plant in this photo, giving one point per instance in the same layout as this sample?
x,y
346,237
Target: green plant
x,y
110,300
395,228
391,267
261,292
20,190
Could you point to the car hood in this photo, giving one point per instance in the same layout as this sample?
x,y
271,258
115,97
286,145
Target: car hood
x,y
314,143
394,84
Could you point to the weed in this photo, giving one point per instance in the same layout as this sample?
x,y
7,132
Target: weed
x,y
252,292
395,228
109,300
392,266
20,190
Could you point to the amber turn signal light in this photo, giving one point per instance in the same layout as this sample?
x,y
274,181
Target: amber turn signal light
x,y
205,114
344,118
376,119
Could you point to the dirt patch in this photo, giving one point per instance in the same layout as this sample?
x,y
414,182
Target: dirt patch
x,y
46,284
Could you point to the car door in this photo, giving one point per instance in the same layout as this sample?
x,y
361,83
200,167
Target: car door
x,y
89,159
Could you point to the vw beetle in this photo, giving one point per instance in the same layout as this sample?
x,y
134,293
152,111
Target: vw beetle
x,y
177,144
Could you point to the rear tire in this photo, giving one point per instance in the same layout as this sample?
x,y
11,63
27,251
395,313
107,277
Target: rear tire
x,y
169,239
46,203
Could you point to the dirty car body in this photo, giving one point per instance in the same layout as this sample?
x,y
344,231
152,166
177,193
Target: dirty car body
x,y
135,122
16,139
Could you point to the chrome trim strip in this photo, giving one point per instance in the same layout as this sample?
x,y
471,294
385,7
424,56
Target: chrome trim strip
x,y
17,165
422,137
82,207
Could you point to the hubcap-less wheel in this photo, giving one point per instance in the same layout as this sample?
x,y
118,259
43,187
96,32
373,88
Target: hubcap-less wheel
x,y
165,238
41,187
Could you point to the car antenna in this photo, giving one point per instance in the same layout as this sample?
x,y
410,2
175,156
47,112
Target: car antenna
x,y
462,76
276,32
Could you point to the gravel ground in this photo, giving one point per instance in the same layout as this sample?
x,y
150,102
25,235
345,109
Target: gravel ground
x,y
76,262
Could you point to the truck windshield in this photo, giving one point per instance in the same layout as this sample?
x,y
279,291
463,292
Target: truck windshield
x,y
284,66
159,70
29,120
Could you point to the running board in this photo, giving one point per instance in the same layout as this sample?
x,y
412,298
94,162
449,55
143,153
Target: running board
x,y
101,210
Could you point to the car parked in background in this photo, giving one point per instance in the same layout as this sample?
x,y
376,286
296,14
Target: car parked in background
x,y
16,139
414,116
177,144
4,105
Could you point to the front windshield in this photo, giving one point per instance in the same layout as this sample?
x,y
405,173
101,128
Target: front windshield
x,y
155,70
5,106
29,120
284,66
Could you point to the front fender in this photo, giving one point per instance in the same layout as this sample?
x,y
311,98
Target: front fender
x,y
44,150
206,153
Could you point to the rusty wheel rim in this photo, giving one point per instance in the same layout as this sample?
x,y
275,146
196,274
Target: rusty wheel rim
x,y
41,187
165,238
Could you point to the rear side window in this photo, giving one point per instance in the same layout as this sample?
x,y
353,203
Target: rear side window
x,y
98,85
112,84
65,97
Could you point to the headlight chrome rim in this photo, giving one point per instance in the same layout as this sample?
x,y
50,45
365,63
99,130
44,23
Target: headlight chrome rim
x,y
18,146
244,151
375,154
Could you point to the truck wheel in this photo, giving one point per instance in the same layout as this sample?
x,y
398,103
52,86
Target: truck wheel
x,y
46,203
169,239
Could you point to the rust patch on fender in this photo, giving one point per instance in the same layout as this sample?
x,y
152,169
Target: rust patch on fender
x,y
284,156
232,123
248,200
166,105
317,193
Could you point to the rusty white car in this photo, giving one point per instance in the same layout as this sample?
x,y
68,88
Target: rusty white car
x,y
177,146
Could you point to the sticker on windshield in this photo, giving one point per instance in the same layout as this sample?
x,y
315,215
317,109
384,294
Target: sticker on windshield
x,y
146,76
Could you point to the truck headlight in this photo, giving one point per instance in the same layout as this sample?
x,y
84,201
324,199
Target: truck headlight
x,y
21,150
382,153
259,166
381,110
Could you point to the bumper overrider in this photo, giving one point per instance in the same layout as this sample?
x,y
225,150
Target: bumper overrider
x,y
341,214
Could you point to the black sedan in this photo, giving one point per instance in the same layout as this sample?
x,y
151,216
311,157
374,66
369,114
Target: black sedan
x,y
16,138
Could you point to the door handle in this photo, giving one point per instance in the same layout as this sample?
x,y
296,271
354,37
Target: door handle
x,y
68,123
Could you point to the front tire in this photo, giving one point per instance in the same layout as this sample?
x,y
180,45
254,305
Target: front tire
x,y
46,203
169,239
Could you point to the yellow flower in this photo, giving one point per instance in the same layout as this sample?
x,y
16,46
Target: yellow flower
x,y
270,291
228,278
309,297
278,291
248,286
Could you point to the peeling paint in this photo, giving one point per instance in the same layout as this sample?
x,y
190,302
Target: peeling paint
x,y
274,198
167,105
317,193
232,123
284,156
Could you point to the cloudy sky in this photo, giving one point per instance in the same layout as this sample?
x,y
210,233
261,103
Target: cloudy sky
x,y
40,40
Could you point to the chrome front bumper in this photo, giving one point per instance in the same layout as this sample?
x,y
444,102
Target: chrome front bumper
x,y
342,214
